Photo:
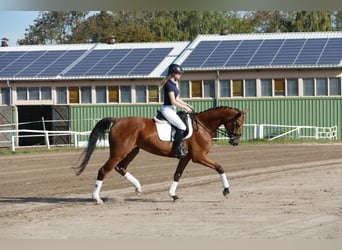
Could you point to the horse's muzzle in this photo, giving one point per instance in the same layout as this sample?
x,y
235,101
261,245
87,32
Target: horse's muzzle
x,y
234,142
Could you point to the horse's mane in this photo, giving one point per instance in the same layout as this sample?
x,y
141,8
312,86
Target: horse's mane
x,y
217,108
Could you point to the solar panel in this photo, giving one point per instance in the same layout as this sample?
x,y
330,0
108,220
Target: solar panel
x,y
151,61
106,63
61,63
129,62
266,52
41,63
21,63
8,58
243,53
311,51
332,53
88,62
200,53
288,52
221,53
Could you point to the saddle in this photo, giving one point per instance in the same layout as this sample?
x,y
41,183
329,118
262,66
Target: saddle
x,y
166,131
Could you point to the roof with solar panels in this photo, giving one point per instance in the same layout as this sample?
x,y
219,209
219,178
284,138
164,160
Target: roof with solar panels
x,y
263,51
89,61
150,60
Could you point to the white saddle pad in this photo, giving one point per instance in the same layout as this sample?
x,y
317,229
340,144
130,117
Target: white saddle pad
x,y
164,130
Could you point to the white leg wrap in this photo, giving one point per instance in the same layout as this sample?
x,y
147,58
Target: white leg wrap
x,y
132,180
173,187
97,188
224,180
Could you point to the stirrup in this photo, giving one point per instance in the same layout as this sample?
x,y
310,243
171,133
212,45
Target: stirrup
x,y
179,152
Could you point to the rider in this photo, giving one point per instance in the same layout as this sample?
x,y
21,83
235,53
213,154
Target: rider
x,y
171,102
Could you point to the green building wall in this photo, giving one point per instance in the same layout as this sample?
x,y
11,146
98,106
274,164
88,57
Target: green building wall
x,y
322,112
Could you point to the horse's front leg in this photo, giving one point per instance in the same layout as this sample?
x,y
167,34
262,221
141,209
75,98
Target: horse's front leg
x,y
179,171
206,161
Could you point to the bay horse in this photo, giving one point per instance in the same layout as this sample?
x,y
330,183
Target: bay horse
x,y
128,135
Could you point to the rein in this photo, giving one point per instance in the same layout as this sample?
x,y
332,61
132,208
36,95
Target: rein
x,y
196,121
222,132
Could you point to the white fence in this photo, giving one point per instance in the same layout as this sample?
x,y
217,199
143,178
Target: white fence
x,y
272,132
253,131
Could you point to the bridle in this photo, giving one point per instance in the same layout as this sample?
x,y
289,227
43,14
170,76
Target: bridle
x,y
230,135
233,135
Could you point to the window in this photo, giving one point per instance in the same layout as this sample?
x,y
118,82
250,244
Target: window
x,y
292,87
33,93
140,94
279,87
61,95
237,88
101,96
125,94
113,94
308,87
74,95
22,93
266,87
321,86
225,88
5,96
335,86
184,89
196,89
209,88
86,94
250,88
153,94
45,93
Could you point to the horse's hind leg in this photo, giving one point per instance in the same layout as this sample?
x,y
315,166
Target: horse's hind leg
x,y
121,168
103,171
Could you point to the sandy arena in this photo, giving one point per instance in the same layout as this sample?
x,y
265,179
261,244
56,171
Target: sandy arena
x,y
277,192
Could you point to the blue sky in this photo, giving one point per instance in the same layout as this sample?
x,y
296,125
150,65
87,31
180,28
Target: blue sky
x,y
14,23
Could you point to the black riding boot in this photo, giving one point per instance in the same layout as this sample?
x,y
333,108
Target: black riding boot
x,y
178,147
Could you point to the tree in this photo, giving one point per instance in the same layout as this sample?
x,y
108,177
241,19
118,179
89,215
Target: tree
x,y
303,21
312,21
53,27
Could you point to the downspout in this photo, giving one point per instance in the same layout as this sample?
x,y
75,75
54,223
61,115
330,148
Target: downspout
x,y
14,114
10,92
216,88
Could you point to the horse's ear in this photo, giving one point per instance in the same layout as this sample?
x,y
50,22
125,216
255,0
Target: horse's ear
x,y
245,111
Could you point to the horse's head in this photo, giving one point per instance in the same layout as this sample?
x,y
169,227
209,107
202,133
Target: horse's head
x,y
234,125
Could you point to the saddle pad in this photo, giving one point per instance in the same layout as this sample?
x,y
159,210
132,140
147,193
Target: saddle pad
x,y
164,130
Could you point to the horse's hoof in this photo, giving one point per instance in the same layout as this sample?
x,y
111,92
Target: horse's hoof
x,y
225,192
175,197
98,201
138,191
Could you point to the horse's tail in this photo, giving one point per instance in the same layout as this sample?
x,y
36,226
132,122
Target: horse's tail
x,y
98,132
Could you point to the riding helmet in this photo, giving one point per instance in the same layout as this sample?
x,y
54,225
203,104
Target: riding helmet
x,y
175,68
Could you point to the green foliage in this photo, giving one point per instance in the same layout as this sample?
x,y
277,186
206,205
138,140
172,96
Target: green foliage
x,y
58,27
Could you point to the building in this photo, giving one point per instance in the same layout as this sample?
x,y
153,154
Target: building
x,y
282,78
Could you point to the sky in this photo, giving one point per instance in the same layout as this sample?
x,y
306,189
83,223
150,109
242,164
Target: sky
x,y
14,23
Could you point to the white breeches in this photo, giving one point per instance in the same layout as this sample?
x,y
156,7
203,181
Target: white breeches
x,y
169,112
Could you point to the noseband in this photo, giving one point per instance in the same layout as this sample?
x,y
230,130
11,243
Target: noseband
x,y
233,135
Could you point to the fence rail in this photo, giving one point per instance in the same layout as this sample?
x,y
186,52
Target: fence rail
x,y
255,131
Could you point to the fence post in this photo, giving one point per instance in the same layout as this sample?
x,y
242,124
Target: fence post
x,y
47,139
261,131
316,133
75,140
13,143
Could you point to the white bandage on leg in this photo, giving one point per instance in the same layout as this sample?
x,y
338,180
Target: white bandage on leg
x,y
172,189
132,180
97,188
224,180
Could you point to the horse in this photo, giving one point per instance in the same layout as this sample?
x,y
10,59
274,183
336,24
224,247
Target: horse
x,y
127,135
